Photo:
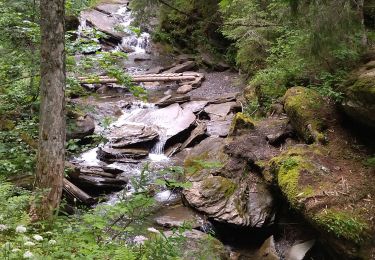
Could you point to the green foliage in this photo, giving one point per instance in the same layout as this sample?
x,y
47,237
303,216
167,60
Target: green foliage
x,y
18,148
343,225
175,178
283,45
370,162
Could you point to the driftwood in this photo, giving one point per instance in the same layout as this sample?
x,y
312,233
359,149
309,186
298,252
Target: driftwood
x,y
75,193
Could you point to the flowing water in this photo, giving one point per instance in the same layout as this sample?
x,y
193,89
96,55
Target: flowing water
x,y
139,43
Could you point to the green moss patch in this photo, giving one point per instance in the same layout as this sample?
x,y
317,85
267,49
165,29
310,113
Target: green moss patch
x,y
343,225
223,185
288,169
305,108
240,122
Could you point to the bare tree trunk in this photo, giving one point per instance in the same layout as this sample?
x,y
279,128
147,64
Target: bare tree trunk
x,y
51,149
360,10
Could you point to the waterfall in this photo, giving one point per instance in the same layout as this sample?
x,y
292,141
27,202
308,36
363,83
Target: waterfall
x,y
159,146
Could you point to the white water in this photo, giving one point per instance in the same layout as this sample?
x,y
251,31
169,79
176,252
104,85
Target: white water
x,y
139,43
136,114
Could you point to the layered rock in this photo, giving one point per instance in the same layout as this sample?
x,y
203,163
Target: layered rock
x,y
132,135
359,101
224,189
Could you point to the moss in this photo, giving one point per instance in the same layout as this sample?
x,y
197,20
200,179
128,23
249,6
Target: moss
x,y
343,225
223,185
286,169
304,107
6,124
370,162
240,122
363,89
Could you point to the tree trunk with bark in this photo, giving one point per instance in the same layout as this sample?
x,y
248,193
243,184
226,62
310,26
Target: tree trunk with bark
x,y
51,148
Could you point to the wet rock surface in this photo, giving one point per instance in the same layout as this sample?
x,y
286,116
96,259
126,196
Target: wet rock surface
x,y
178,216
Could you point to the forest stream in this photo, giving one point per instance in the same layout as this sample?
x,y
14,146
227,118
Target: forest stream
x,y
148,136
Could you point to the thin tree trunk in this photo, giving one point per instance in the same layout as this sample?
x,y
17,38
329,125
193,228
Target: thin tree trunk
x,y
360,10
51,149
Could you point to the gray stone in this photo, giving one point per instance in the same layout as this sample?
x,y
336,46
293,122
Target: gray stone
x,y
155,70
172,100
195,106
81,127
169,121
108,9
132,135
103,23
225,98
219,128
243,204
184,89
195,135
219,111
186,66
107,153
178,216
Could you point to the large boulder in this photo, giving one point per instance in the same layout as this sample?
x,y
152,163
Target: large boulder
x,y
171,120
307,110
132,135
81,127
334,195
104,23
223,189
359,101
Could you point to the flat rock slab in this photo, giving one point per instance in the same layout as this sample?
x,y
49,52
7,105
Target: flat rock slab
x,y
109,9
103,23
195,106
169,100
132,135
219,128
219,111
172,120
97,184
107,153
184,89
177,216
225,98
186,66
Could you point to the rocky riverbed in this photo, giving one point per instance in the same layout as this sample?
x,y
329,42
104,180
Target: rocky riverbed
x,y
272,188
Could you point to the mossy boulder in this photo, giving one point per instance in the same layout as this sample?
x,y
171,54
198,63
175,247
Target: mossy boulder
x,y
223,188
240,123
359,102
306,110
330,199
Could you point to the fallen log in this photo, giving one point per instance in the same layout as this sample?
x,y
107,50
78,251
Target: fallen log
x,y
107,80
186,76
75,193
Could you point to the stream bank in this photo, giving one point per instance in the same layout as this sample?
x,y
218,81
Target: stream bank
x,y
242,196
